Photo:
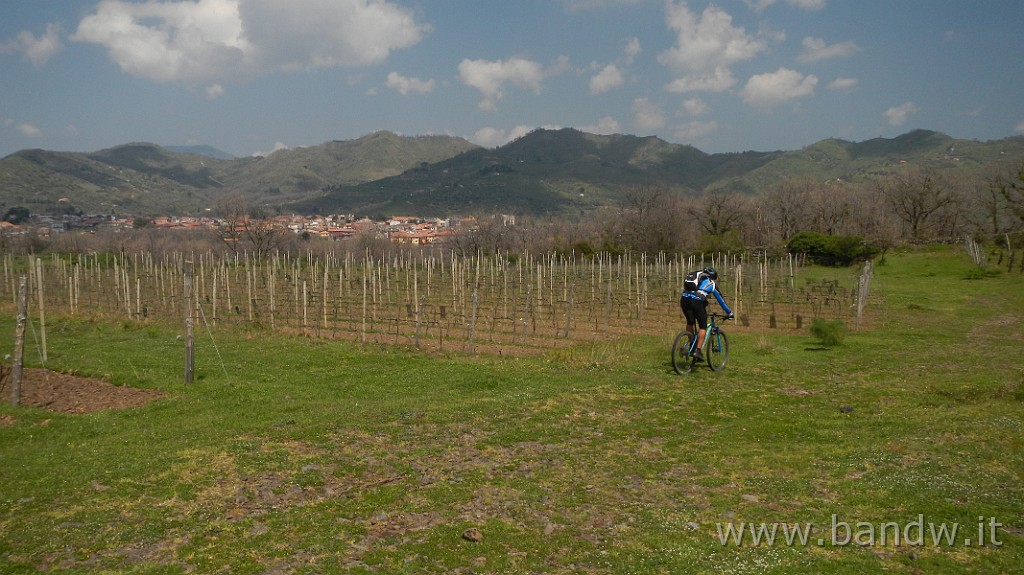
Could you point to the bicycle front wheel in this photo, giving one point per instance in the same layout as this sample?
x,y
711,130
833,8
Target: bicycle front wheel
x,y
682,361
717,350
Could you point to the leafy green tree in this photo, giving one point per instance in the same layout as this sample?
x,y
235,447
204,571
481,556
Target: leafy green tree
x,y
829,250
17,215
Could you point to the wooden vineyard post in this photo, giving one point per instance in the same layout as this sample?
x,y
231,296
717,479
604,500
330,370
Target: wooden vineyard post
x,y
189,339
323,301
42,308
362,333
470,348
19,342
416,303
305,304
862,295
608,303
568,313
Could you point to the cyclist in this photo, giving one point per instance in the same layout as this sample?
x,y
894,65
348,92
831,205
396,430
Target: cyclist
x,y
694,301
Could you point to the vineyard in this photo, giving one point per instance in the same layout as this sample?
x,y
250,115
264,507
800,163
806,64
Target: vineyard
x,y
508,304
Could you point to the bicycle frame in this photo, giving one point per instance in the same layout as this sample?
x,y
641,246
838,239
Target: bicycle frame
x,y
715,348
712,330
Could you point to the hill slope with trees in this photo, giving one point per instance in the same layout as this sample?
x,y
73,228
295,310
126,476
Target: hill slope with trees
x,y
546,172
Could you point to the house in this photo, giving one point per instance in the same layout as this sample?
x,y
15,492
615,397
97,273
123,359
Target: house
x,y
414,237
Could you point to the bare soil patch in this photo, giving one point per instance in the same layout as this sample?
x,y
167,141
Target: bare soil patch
x,y
66,393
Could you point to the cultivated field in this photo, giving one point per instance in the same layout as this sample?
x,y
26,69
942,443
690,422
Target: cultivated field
x,y
899,451
513,304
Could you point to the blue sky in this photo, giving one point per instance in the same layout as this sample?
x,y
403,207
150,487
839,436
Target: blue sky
x,y
252,76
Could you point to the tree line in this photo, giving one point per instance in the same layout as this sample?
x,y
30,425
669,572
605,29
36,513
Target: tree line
x,y
911,206
792,215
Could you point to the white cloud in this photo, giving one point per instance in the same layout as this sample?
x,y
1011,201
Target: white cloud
x,y
207,42
278,146
37,50
695,130
695,107
778,87
493,137
816,49
214,91
760,5
578,5
1019,127
706,46
404,85
632,49
720,80
490,78
606,125
648,116
807,4
610,77
899,115
842,84
489,137
28,130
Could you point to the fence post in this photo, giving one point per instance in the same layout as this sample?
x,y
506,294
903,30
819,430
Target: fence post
x,y
472,324
862,294
19,342
568,313
189,339
42,308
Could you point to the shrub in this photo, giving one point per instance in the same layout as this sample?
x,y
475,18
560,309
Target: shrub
x,y
980,273
828,250
765,346
829,333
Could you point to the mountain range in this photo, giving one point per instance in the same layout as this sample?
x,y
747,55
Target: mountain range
x,y
553,172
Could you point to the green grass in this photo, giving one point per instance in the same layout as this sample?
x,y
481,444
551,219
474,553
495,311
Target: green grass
x,y
296,456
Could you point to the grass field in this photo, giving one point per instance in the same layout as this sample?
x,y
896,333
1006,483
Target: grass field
x,y
290,455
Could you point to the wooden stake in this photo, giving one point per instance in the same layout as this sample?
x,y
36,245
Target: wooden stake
x,y
19,341
189,340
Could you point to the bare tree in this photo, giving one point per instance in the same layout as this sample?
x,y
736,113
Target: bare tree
x,y
871,219
653,220
830,207
915,198
787,208
718,213
248,229
1011,188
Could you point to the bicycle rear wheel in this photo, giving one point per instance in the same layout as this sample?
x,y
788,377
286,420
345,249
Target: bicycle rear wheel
x,y
717,350
682,361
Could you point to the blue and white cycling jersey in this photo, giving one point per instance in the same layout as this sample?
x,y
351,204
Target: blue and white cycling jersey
x,y
707,287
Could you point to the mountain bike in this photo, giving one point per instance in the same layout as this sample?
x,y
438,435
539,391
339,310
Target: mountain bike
x,y
715,350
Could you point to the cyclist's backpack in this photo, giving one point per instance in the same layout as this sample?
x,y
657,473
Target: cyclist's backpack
x,y
693,280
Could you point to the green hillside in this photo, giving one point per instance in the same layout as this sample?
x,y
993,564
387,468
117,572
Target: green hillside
x,y
835,159
146,179
545,172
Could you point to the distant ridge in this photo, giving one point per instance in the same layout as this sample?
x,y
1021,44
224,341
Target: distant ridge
x,y
146,179
555,172
202,151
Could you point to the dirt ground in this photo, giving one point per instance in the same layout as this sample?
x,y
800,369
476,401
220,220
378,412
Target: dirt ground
x,y
61,392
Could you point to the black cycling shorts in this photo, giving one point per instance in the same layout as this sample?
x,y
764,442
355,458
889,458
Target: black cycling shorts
x,y
695,310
